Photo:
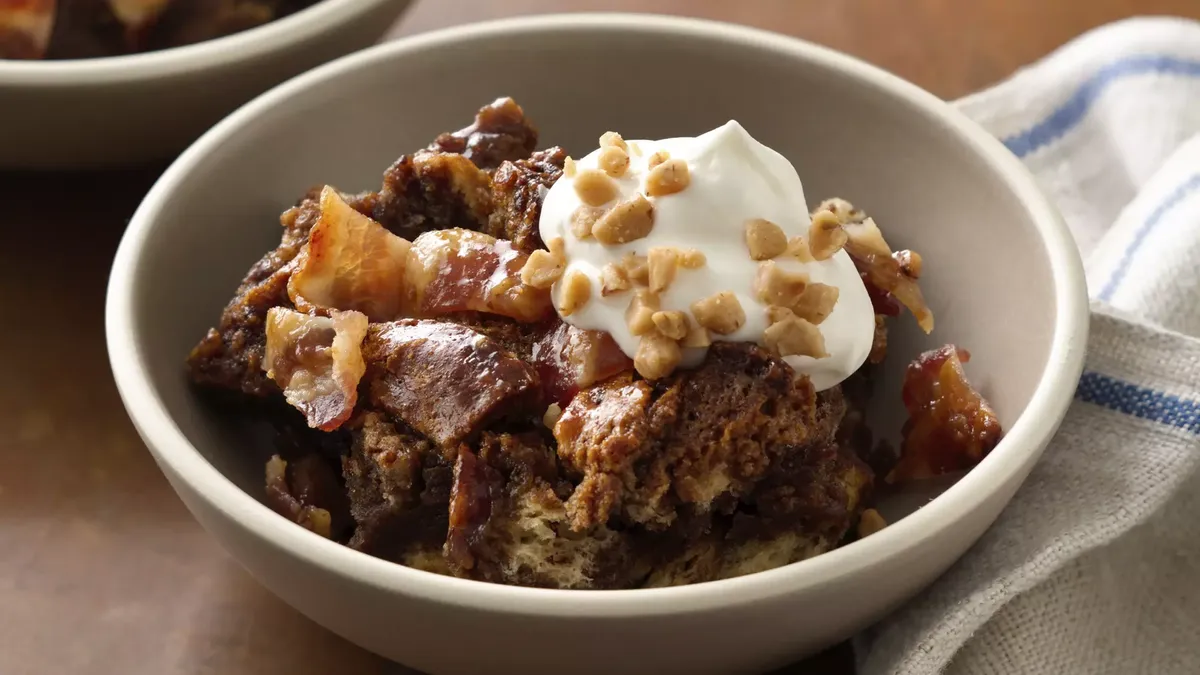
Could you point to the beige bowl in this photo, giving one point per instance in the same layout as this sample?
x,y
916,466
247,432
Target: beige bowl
x,y
125,109
1002,275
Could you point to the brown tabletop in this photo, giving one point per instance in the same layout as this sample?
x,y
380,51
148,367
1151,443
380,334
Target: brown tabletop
x,y
102,570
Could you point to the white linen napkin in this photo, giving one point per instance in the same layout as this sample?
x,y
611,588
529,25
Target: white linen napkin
x,y
1094,567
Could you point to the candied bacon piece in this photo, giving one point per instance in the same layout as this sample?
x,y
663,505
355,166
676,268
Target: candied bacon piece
x,y
476,487
444,380
349,263
500,132
950,426
569,359
25,27
317,361
460,270
866,246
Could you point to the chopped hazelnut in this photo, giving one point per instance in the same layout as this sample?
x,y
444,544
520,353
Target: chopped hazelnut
x,y
630,219
583,220
613,279
611,139
721,313
657,356
844,210
672,323
614,161
668,178
910,263
697,336
798,249
637,267
575,293
774,285
795,336
816,302
558,247
764,239
550,417
870,522
594,187
775,314
663,262
657,158
690,258
569,167
825,235
542,269
640,314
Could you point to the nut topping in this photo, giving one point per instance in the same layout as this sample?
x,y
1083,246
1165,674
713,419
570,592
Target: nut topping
x,y
668,178
611,139
542,269
657,356
614,161
798,249
630,219
691,259
640,314
663,262
594,187
825,236
657,158
575,293
765,239
721,313
774,285
583,220
637,267
795,337
613,279
816,302
673,324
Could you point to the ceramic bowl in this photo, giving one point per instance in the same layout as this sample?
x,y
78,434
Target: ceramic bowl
x,y
124,109
1001,274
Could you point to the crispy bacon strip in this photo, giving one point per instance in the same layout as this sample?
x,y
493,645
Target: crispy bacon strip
x,y
444,380
25,27
569,359
317,361
459,270
950,426
874,258
350,263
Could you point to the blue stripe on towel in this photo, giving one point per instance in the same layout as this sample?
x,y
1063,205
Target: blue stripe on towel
x,y
1147,404
1067,116
1178,195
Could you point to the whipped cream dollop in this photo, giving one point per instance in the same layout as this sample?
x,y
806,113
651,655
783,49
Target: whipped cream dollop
x,y
731,179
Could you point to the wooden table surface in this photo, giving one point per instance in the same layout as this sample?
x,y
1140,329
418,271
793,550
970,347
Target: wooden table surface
x,y
102,570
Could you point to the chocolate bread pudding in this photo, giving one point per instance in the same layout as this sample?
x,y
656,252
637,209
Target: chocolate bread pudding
x,y
645,367
81,29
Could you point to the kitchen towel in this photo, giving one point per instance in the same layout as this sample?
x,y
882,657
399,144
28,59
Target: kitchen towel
x,y
1094,567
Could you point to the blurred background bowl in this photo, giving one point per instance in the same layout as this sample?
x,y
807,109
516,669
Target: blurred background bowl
x,y
993,249
123,109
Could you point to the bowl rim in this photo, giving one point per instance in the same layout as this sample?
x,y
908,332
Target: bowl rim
x,y
1011,459
244,46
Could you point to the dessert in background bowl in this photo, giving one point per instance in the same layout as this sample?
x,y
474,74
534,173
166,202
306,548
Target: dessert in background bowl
x,y
90,83
82,29
402,329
